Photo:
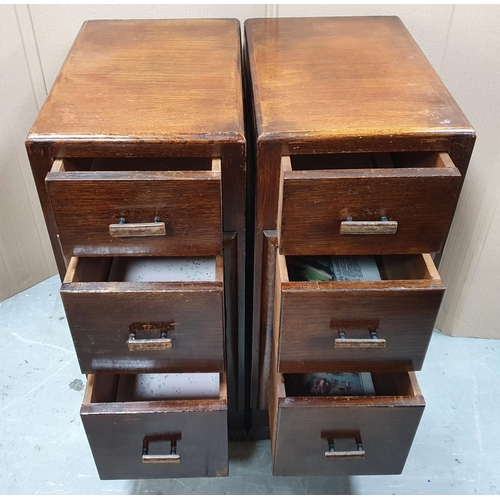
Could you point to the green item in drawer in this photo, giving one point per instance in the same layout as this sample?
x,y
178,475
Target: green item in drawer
x,y
333,268
309,269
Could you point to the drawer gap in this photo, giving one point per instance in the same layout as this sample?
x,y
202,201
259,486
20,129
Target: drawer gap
x,y
320,268
154,387
397,384
168,386
146,269
413,159
138,164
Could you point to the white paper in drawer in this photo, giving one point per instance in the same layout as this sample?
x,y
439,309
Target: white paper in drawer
x,y
155,269
165,386
359,268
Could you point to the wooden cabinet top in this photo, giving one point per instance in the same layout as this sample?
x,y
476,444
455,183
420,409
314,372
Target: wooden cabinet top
x,y
148,80
323,78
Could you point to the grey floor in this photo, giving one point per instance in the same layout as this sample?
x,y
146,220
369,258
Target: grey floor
x,y
43,448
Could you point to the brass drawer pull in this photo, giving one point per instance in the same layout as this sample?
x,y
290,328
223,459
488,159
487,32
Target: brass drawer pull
x,y
372,343
161,344
172,458
382,226
332,454
126,229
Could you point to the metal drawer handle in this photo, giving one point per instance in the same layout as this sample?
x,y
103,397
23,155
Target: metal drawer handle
x,y
332,454
126,229
161,344
372,343
172,458
382,226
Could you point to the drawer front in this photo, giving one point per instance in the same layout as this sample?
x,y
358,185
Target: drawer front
x,y
366,211
357,326
137,213
145,327
312,324
370,435
121,434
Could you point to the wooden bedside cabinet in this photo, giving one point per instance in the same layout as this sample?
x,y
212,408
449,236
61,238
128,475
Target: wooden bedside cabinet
x,y
360,151
139,160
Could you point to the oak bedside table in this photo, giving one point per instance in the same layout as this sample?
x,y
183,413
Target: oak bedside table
x,y
360,151
139,160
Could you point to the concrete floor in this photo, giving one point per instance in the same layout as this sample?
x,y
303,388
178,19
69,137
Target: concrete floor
x,y
43,448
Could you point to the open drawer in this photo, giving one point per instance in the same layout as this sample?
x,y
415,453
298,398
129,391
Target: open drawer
x,y
361,203
383,325
130,314
119,207
344,435
138,430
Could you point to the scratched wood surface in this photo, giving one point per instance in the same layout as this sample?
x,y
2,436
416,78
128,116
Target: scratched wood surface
x,y
102,315
338,77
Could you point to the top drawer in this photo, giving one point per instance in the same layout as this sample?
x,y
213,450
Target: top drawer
x,y
366,203
150,206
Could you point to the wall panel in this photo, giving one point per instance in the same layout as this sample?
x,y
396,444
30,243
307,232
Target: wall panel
x,y
25,252
471,263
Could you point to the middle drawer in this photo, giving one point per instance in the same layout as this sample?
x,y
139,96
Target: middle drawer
x,y
123,318
337,326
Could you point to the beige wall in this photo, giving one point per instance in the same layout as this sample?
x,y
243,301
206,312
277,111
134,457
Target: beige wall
x,y
462,42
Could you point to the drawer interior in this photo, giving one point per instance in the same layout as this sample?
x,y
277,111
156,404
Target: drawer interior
x,y
414,159
389,267
145,269
154,387
138,164
384,384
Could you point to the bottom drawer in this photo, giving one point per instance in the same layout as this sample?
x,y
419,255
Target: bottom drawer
x,y
343,435
138,428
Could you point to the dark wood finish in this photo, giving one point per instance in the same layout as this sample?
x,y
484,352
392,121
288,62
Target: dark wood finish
x,y
117,431
357,87
316,203
87,205
402,311
155,95
103,314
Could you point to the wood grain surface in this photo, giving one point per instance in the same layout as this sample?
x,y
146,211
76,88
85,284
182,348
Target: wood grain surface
x,y
358,76
156,79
